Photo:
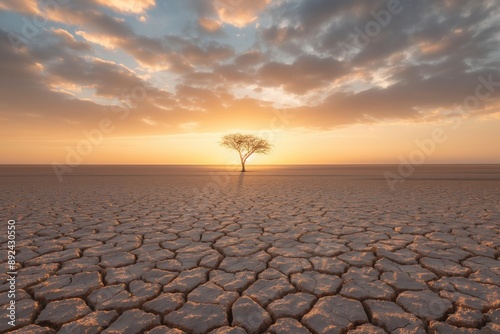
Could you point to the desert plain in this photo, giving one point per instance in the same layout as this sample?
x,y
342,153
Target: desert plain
x,y
300,249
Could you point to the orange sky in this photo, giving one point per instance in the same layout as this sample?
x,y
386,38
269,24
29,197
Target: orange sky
x,y
323,81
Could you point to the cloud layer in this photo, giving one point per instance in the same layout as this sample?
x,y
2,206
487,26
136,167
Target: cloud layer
x,y
214,65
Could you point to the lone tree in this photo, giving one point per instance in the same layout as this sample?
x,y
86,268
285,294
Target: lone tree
x,y
246,145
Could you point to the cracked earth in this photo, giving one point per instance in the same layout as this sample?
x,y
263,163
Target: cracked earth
x,y
264,254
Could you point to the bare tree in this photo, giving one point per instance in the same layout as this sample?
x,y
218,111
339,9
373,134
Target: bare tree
x,y
246,145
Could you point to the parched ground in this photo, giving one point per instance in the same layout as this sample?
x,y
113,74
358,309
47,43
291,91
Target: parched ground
x,y
261,254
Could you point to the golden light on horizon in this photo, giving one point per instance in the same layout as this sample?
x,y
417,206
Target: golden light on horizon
x,y
350,145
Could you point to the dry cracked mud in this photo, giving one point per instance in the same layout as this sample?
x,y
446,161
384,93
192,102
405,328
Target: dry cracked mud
x,y
261,254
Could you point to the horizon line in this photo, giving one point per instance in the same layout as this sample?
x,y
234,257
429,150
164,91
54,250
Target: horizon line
x,y
276,164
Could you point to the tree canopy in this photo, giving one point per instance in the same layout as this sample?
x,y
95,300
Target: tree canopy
x,y
246,145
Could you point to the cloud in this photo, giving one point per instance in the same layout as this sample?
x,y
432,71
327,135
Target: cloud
x,y
149,121
21,6
28,88
37,6
306,73
210,25
128,6
174,53
186,109
239,13
109,42
249,58
189,126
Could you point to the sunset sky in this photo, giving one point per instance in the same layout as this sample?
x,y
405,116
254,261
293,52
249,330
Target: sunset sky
x,y
324,81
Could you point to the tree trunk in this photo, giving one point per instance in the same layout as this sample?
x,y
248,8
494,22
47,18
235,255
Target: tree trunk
x,y
242,163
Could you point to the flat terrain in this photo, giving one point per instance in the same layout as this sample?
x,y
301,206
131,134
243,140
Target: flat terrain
x,y
278,250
